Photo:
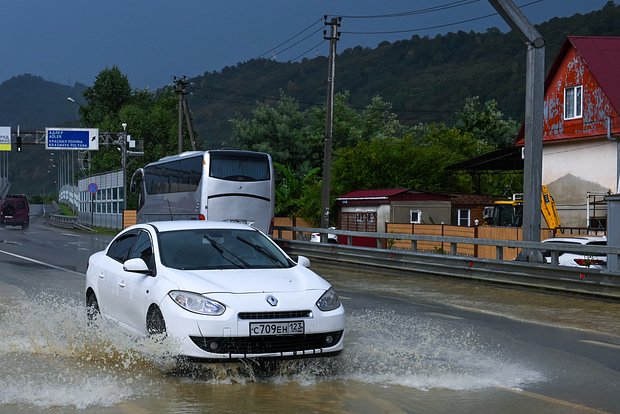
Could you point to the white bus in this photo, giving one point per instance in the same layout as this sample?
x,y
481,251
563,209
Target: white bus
x,y
217,185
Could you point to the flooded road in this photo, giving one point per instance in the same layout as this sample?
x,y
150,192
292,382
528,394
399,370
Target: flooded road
x,y
413,345
51,361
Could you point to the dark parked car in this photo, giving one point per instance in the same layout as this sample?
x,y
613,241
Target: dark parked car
x,y
15,211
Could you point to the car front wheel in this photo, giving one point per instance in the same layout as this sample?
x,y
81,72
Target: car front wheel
x,y
92,308
155,324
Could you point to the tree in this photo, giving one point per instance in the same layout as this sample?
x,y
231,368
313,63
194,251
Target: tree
x,y
291,190
486,122
419,160
281,131
150,117
105,99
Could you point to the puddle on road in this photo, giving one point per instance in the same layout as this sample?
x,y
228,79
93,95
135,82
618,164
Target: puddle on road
x,y
561,310
52,361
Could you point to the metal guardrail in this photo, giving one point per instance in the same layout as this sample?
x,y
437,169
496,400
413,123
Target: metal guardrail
x,y
67,222
550,276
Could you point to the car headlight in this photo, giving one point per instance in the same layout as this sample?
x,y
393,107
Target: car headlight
x,y
197,303
329,301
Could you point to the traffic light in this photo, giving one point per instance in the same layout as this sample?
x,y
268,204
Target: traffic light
x,y
18,143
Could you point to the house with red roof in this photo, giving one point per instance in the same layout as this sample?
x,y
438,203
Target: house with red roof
x,y
581,126
369,210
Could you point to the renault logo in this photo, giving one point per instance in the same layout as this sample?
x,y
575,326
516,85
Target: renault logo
x,y
271,300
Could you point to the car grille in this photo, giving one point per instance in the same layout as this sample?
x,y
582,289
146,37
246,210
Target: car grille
x,y
267,344
275,315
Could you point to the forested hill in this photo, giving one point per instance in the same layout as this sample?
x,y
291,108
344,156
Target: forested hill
x,y
34,103
425,79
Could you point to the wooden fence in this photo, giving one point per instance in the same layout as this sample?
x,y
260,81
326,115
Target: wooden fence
x,y
482,232
291,222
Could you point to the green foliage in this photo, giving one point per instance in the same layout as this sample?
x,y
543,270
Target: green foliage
x,y
418,160
104,100
486,123
291,189
279,130
150,117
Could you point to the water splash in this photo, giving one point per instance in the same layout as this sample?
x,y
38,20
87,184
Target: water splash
x,y
424,353
50,357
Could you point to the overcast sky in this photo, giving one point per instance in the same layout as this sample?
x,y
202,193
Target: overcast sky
x,y
68,41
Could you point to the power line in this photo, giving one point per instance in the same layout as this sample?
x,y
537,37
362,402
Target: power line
x,y
414,12
422,29
440,26
274,49
307,51
301,40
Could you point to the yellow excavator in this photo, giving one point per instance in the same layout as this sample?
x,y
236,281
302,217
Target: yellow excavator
x,y
549,212
510,212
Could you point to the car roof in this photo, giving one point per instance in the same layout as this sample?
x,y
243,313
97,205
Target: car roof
x,y
576,240
164,226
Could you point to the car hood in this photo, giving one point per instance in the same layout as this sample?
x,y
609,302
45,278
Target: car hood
x,y
296,279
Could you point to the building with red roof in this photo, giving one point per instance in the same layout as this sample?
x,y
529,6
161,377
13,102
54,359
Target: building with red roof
x,y
369,210
581,123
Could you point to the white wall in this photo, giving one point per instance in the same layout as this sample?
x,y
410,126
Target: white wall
x,y
571,170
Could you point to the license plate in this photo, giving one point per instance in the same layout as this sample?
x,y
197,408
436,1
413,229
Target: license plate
x,y
276,328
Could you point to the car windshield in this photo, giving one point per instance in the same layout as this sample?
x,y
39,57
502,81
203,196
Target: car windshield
x,y
203,249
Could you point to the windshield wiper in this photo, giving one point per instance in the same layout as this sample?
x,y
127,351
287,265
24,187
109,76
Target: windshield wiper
x,y
262,251
221,249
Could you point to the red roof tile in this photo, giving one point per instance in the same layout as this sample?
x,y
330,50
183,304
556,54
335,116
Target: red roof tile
x,y
602,56
379,193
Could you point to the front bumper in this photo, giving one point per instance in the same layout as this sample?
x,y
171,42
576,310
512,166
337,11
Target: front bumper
x,y
227,337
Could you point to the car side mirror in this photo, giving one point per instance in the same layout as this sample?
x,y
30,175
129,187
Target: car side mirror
x,y
137,265
303,261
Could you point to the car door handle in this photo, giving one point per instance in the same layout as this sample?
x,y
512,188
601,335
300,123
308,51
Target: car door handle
x,y
101,276
122,283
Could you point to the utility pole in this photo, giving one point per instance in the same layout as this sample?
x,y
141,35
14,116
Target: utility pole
x,y
329,128
183,111
534,102
123,147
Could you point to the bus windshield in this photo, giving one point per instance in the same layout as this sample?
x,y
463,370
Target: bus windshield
x,y
239,166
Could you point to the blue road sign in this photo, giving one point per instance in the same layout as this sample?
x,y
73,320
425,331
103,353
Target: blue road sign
x,y
92,188
72,138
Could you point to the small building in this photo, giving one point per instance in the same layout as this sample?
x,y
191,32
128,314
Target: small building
x,y
468,209
369,210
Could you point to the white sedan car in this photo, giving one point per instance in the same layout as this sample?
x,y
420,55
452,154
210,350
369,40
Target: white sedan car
x,y
222,290
592,261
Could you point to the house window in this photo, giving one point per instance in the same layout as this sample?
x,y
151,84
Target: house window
x,y
415,216
573,102
463,215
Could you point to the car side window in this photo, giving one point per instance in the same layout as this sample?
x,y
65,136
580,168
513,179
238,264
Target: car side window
x,y
119,249
143,249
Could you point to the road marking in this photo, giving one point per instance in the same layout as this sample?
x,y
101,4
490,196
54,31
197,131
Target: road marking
x,y
41,263
600,343
443,315
70,234
556,401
